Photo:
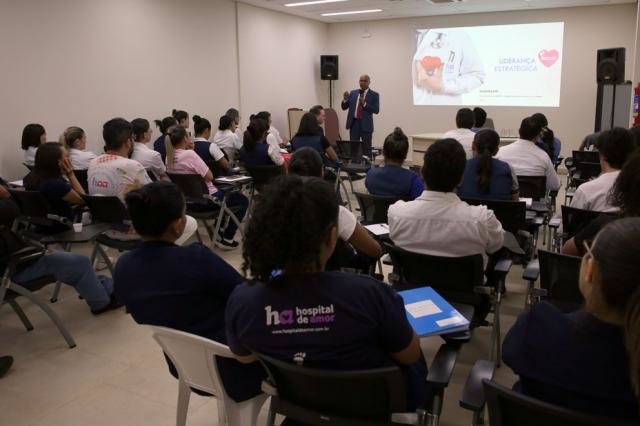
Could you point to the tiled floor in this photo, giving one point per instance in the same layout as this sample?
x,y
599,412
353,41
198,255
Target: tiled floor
x,y
117,376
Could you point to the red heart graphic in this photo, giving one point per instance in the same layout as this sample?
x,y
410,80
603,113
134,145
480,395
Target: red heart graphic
x,y
548,57
430,63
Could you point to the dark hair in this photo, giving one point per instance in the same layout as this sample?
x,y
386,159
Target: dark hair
x,y
180,115
616,251
154,207
529,129
200,125
116,132
624,193
290,221
444,164
139,126
232,113
176,134
479,116
254,133
540,119
264,115
46,164
465,118
616,146
31,135
306,162
70,135
635,130
165,124
225,122
547,135
316,109
396,145
486,143
308,125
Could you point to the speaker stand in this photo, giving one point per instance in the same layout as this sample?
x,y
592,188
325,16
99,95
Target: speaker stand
x,y
330,93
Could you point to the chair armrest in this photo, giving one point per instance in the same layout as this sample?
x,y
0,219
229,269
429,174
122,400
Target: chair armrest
x,y
442,365
23,258
503,266
532,271
473,391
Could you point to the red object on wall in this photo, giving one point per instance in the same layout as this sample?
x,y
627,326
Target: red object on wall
x,y
636,105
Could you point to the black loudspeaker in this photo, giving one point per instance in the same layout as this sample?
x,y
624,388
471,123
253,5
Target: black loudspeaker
x,y
610,68
329,67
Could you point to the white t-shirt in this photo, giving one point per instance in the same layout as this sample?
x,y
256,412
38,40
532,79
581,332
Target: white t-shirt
x,y
526,159
226,139
80,159
465,137
594,195
112,175
346,223
30,156
440,224
149,158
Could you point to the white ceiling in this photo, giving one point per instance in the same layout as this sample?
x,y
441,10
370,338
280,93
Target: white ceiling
x,y
416,8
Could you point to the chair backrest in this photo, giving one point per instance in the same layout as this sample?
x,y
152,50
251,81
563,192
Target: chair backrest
x,y
588,171
193,357
263,174
191,185
574,220
32,204
533,186
508,407
586,157
106,209
511,214
559,276
81,175
336,397
374,208
151,175
452,277
350,151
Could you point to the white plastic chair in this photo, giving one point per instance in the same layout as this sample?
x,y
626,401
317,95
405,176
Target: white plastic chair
x,y
193,357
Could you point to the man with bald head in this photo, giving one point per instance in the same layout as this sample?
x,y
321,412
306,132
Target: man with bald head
x,y
362,104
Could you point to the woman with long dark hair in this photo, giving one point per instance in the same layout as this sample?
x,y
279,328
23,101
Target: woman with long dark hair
x,y
255,150
309,135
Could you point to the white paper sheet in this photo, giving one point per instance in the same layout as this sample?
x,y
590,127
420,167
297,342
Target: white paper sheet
x,y
378,228
448,321
422,308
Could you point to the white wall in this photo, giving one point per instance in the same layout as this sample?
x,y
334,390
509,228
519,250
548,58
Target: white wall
x,y
280,63
386,56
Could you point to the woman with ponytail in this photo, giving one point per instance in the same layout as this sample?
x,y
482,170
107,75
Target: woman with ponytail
x,y
163,125
487,177
547,140
588,360
255,150
393,180
75,140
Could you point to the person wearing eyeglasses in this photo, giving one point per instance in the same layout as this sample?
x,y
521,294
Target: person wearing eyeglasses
x,y
588,360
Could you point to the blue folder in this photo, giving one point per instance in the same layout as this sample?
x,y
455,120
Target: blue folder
x,y
430,315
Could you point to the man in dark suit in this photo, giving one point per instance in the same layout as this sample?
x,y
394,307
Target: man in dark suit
x,y
362,104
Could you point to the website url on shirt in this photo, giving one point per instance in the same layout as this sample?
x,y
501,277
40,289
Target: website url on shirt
x,y
299,330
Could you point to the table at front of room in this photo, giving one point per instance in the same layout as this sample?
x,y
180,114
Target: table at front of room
x,y
419,143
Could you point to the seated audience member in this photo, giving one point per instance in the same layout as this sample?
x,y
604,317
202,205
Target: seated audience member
x,y
589,142
234,115
182,117
290,237
209,152
75,140
154,285
479,119
307,162
150,159
308,136
33,135
255,150
48,177
181,158
437,222
113,173
526,159
318,111
227,139
547,141
463,134
274,139
635,131
393,180
615,147
70,268
588,360
159,144
486,177
624,196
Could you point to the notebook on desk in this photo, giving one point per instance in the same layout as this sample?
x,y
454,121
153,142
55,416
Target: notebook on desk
x,y
429,314
378,229
233,179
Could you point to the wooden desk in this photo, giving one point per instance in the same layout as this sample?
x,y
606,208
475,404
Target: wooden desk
x,y
419,143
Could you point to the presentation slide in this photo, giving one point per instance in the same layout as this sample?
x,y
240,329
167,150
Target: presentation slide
x,y
499,65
